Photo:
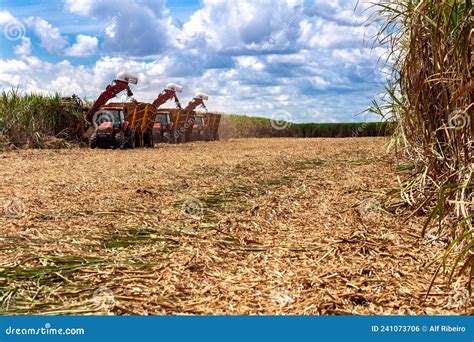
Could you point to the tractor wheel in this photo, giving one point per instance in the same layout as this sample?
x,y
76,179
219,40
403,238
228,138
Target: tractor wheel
x,y
166,138
119,140
130,138
182,138
93,141
157,137
149,139
173,136
187,137
138,140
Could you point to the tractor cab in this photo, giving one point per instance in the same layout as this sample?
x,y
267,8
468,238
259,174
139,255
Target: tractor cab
x,y
198,128
199,122
111,122
110,119
162,127
162,121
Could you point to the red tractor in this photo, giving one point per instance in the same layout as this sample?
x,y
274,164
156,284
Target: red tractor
x,y
199,125
163,122
110,122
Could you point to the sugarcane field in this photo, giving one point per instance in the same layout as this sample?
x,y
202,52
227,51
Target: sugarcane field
x,y
236,158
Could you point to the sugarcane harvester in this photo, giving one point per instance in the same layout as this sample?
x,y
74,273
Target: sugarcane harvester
x,y
163,122
73,110
122,124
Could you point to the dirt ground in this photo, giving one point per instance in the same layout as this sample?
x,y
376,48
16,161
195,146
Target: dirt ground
x,y
251,226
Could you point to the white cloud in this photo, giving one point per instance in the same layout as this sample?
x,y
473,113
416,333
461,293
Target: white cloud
x,y
6,17
50,37
319,83
250,62
13,66
81,7
84,46
66,85
23,49
240,24
321,34
130,27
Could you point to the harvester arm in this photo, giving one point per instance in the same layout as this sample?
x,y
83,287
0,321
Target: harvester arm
x,y
196,101
167,94
117,86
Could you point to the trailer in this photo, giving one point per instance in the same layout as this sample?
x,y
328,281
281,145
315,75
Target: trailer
x,y
180,123
141,124
211,126
215,126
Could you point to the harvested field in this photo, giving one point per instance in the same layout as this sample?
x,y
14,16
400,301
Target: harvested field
x,y
251,226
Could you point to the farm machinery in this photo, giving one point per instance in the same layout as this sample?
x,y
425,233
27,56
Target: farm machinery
x,y
184,121
206,125
163,122
121,124
73,102
173,125
187,125
180,125
73,108
198,129
211,126
134,124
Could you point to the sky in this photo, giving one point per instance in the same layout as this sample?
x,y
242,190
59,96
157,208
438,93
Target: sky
x,y
309,60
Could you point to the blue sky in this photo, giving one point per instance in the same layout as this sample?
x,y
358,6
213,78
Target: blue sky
x,y
311,59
